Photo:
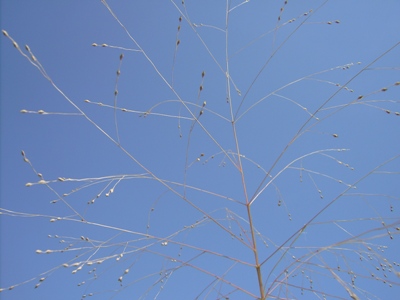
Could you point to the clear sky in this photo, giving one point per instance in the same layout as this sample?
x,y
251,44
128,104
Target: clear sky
x,y
143,153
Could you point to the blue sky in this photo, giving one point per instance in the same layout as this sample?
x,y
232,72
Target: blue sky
x,y
171,154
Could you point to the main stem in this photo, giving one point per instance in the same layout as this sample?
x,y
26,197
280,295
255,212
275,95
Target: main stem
x,y
240,166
